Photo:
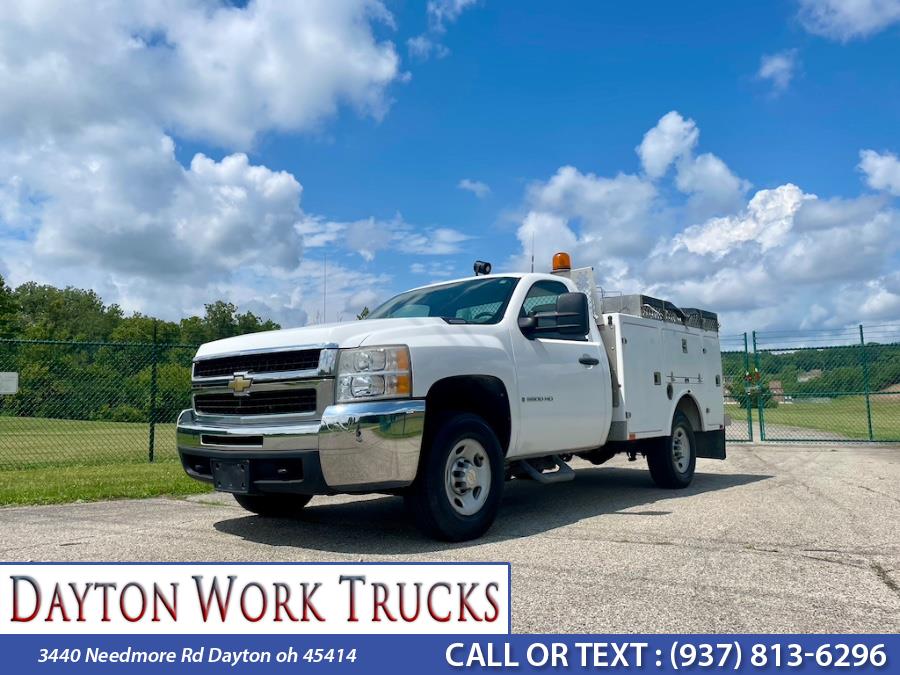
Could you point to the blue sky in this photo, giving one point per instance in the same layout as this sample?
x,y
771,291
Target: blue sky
x,y
752,193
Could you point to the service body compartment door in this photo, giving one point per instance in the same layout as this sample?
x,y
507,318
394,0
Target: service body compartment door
x,y
711,397
682,353
643,389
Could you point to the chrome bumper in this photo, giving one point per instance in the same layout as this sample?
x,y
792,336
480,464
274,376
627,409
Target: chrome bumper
x,y
360,446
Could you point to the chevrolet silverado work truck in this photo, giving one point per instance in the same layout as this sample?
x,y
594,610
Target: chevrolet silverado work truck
x,y
447,391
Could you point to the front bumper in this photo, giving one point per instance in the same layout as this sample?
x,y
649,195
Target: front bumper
x,y
355,447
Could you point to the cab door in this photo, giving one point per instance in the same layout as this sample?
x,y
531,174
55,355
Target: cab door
x,y
564,394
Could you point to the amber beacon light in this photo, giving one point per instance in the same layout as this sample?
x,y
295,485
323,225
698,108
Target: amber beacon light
x,y
562,262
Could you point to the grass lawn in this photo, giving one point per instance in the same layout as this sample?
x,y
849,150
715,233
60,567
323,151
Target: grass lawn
x,y
46,461
32,442
93,483
844,416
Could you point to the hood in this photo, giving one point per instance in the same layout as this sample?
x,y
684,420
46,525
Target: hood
x,y
347,335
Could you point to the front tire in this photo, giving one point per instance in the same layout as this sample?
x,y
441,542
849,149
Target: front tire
x,y
273,506
457,493
672,463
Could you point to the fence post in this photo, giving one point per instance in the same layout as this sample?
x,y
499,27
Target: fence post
x,y
746,388
865,368
153,368
759,398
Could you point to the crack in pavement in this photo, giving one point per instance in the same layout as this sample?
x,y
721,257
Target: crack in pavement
x,y
885,578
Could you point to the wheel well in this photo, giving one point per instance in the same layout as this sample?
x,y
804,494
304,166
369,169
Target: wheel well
x,y
688,406
480,395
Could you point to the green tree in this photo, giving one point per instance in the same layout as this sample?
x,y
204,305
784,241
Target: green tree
x,y
65,314
220,320
248,322
192,330
139,328
9,312
363,314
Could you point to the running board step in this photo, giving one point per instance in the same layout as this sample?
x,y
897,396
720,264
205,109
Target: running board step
x,y
563,472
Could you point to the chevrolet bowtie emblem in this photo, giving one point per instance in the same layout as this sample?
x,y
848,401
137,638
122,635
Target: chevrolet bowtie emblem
x,y
239,384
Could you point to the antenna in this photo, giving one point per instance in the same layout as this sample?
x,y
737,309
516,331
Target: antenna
x,y
324,285
532,250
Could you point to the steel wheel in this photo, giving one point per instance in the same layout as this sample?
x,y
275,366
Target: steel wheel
x,y
672,459
467,477
681,450
456,494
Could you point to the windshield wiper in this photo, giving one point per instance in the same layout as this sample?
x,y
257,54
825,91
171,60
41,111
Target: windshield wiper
x,y
454,319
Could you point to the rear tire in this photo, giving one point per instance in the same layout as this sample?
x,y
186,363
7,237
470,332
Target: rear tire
x,y
457,493
672,463
273,506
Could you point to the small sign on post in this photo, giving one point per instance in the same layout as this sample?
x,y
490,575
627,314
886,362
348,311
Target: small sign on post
x,y
9,384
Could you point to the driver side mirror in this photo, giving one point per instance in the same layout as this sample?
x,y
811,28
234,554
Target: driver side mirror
x,y
571,318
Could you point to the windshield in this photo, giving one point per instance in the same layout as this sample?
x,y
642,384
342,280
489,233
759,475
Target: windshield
x,y
480,300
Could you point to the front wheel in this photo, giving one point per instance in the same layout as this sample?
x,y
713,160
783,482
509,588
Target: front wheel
x,y
672,463
273,506
457,493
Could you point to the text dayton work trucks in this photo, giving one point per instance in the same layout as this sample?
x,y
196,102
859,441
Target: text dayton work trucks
x,y
445,392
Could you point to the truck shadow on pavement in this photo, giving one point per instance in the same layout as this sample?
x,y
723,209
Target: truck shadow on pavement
x,y
381,526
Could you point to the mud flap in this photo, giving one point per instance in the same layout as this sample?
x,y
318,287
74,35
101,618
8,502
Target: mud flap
x,y
710,444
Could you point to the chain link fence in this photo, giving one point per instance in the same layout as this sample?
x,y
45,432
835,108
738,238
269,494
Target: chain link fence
x,y
82,403
826,385
735,366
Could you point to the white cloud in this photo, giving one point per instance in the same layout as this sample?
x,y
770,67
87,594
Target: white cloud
x,y
822,214
617,215
422,47
196,68
476,187
712,185
440,13
436,270
826,255
848,19
368,236
782,258
544,234
612,212
439,241
779,69
766,220
91,190
672,137
882,170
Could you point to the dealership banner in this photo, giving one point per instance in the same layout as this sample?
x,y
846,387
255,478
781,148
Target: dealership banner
x,y
435,654
348,617
189,598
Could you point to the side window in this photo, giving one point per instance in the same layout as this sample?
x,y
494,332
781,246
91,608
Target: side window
x,y
542,298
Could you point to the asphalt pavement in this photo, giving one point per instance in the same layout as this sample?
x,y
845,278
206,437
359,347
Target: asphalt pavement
x,y
774,539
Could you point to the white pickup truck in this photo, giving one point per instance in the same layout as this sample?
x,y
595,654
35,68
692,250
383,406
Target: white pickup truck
x,y
446,391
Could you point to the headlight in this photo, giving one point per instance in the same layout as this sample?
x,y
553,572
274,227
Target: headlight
x,y
373,372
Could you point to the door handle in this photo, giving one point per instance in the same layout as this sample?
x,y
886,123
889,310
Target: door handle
x,y
587,360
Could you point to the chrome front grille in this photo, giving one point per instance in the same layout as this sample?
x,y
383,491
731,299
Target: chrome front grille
x,y
253,387
263,362
283,402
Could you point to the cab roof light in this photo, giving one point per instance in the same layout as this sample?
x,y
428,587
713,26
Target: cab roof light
x,y
562,262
